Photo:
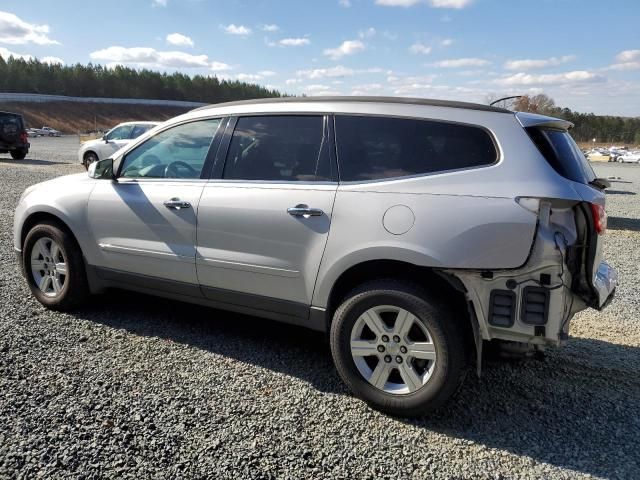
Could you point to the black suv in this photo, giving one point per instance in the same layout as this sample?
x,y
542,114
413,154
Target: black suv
x,y
13,136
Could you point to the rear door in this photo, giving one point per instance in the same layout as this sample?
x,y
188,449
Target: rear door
x,y
263,221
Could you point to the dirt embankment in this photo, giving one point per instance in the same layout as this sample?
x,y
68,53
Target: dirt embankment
x,y
81,117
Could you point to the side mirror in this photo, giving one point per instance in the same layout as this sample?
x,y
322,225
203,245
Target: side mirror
x,y
104,137
102,169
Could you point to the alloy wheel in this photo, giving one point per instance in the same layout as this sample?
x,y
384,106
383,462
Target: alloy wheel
x,y
392,349
48,266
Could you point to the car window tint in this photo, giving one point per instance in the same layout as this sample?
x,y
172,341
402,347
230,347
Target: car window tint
x,y
371,148
139,130
278,148
120,133
178,152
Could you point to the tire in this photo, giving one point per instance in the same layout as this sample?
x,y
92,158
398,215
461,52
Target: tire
x,y
88,159
72,285
19,154
439,380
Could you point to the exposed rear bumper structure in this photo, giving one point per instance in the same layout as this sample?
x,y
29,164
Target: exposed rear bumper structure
x,y
605,283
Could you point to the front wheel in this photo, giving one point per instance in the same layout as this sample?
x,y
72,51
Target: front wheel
x,y
397,348
53,267
19,154
88,159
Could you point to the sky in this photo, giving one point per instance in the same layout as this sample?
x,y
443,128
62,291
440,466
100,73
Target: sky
x,y
585,54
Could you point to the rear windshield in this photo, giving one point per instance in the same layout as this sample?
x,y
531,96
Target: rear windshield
x,y
562,153
10,126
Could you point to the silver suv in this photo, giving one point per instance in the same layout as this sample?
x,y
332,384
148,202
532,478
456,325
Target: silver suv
x,y
409,230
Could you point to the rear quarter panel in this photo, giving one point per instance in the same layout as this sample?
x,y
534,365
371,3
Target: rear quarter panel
x,y
466,219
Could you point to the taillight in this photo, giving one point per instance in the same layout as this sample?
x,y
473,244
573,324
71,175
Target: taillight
x,y
23,137
599,218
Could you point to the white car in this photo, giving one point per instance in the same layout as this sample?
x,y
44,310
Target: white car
x,y
48,131
630,157
112,141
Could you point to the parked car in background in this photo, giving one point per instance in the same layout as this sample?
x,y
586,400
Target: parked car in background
x,y
50,132
13,135
112,141
34,132
629,157
450,224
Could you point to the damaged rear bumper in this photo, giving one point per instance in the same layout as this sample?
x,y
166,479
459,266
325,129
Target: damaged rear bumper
x,y
605,283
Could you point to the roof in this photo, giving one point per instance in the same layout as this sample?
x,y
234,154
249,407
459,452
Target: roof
x,y
363,99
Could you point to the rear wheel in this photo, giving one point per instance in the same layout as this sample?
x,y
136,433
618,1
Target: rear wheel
x,y
54,267
88,159
19,154
397,348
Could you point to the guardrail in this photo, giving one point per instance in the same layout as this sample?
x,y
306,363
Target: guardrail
x,y
38,98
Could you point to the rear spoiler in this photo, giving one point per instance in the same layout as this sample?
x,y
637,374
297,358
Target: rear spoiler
x,y
534,120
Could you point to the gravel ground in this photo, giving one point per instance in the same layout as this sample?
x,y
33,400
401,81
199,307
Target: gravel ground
x,y
137,387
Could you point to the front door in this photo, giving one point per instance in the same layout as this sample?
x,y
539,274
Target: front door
x,y
263,226
145,222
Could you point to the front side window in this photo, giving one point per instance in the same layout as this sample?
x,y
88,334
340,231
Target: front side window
x,y
120,133
371,148
178,152
278,148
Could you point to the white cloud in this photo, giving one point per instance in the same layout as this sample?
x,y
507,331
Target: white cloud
x,y
447,42
179,40
626,60
450,3
626,66
249,77
390,35
420,49
220,67
318,89
541,63
159,3
4,53
233,29
293,81
52,60
294,42
457,4
267,73
525,79
270,28
461,62
15,31
338,71
146,56
344,3
348,47
628,56
368,33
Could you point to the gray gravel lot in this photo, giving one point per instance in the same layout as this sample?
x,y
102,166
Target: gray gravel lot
x,y
133,386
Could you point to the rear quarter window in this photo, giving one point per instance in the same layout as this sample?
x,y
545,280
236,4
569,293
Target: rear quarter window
x,y
561,152
372,148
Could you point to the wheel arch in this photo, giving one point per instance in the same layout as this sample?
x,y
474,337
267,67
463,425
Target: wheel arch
x,y
445,286
40,216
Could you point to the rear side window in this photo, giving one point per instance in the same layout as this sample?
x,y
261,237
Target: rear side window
x,y
278,148
371,148
562,153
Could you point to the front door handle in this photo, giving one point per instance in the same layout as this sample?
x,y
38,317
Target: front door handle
x,y
176,204
305,211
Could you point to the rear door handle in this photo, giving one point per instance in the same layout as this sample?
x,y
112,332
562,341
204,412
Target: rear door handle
x,y
176,204
303,210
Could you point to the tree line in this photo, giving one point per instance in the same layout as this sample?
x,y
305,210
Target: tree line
x,y
32,76
587,126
